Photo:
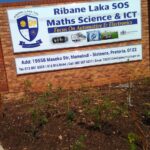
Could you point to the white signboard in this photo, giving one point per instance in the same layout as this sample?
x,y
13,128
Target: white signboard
x,y
78,59
73,25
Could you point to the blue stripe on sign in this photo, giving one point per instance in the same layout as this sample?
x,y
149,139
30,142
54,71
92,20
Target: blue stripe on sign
x,y
11,1
92,26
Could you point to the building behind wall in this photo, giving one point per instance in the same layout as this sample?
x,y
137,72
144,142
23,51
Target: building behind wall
x,y
12,83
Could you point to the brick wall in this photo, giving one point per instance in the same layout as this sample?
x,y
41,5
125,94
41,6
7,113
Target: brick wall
x,y
3,80
90,76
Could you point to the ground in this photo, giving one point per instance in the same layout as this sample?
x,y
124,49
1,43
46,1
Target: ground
x,y
99,118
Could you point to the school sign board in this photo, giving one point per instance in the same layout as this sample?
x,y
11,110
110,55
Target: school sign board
x,y
74,25
78,59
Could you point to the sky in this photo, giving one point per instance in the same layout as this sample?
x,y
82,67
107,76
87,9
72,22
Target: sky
x,y
10,1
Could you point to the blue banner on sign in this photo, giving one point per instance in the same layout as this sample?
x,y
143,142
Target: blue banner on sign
x,y
93,26
11,1
24,45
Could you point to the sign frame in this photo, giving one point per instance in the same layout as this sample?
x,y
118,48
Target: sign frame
x,y
68,39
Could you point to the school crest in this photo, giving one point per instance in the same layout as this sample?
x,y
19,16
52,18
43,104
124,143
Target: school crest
x,y
28,27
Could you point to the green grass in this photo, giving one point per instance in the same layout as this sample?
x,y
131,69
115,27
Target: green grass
x,y
113,35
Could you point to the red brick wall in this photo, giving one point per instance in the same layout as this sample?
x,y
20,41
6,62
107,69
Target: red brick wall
x,y
3,80
90,76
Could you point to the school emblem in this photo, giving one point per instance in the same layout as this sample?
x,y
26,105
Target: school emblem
x,y
28,28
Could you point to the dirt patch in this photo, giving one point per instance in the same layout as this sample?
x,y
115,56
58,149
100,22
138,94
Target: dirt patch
x,y
97,118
